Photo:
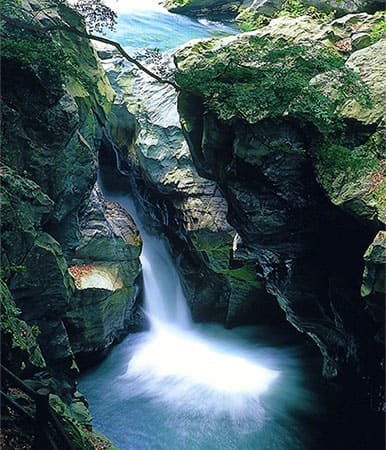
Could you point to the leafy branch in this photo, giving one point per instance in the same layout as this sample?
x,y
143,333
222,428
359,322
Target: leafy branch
x,y
23,26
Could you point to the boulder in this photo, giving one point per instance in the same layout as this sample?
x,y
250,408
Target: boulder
x,y
190,209
106,272
303,179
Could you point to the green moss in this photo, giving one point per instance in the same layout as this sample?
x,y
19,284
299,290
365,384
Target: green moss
x,y
264,78
80,436
338,161
378,194
356,177
379,30
22,337
245,273
216,247
40,53
174,3
250,19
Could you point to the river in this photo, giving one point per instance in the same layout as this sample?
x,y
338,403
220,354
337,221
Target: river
x,y
186,386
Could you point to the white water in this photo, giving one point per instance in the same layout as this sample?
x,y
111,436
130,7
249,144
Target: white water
x,y
173,361
146,24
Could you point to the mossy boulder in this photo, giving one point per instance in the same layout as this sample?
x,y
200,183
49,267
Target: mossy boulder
x,y
106,271
269,116
77,424
55,99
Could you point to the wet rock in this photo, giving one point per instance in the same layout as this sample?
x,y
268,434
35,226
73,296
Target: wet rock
x,y
373,284
305,203
106,271
192,208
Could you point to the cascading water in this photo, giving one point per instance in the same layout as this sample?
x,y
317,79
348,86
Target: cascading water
x,y
173,355
183,386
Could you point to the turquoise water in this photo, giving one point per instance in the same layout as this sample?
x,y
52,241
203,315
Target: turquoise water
x,y
138,413
202,387
146,25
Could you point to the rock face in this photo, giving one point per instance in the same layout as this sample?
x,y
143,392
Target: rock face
x,y
37,270
206,8
105,270
270,7
373,285
229,9
298,185
22,355
189,209
56,101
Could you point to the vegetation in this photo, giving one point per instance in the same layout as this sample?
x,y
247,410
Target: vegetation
x,y
341,169
7,271
40,53
266,78
250,20
21,337
337,160
379,30
97,16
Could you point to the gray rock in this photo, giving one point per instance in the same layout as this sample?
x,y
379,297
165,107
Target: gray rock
x,y
106,271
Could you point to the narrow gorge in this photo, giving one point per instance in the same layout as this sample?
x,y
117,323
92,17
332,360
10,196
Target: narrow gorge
x,y
193,259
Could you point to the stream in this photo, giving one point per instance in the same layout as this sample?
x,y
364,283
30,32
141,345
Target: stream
x,y
191,386
187,386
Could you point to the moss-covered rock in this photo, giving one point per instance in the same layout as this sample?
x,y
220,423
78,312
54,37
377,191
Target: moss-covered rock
x,y
214,9
55,99
272,8
55,102
77,424
33,263
266,115
20,350
106,271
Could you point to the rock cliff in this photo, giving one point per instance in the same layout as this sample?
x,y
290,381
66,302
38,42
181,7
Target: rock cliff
x,y
229,9
288,121
189,209
56,102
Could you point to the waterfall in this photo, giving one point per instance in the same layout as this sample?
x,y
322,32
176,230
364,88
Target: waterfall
x,y
173,361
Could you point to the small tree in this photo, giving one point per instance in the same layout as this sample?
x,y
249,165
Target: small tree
x,y
97,17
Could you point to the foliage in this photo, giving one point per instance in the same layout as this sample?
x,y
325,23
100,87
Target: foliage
x,y
9,313
7,271
297,8
348,172
379,30
174,3
21,335
264,79
250,20
338,159
97,15
44,56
